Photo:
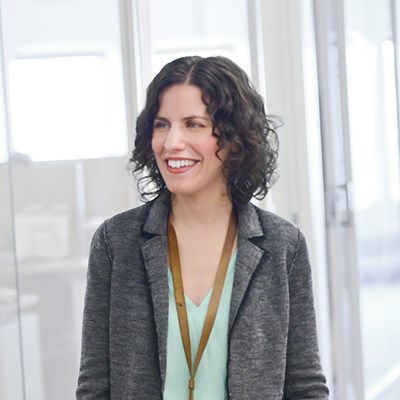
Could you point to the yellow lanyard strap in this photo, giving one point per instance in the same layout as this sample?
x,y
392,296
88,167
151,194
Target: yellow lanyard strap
x,y
214,301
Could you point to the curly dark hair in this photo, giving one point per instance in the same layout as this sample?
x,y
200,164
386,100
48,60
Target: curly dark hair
x,y
240,125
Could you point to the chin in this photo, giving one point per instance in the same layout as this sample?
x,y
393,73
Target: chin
x,y
179,191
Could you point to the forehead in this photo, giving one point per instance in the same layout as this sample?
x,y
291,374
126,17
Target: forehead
x,y
182,98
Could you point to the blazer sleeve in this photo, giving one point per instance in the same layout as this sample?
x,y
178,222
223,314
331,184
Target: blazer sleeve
x,y
304,377
94,375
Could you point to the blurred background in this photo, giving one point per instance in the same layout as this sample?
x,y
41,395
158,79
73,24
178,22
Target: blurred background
x,y
73,79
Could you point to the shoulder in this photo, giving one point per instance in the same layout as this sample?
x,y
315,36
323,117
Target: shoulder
x,y
134,226
273,227
276,235
273,223
126,221
120,230
147,217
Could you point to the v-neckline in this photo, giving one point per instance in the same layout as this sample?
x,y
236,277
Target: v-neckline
x,y
207,297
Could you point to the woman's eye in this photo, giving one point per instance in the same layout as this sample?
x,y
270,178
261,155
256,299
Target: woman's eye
x,y
194,124
160,125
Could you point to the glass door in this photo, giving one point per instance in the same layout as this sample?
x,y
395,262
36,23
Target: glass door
x,y
11,371
67,160
340,228
359,86
374,136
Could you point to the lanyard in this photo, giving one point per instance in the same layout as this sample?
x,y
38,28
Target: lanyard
x,y
214,301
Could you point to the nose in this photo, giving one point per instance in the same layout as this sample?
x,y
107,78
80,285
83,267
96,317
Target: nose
x,y
175,139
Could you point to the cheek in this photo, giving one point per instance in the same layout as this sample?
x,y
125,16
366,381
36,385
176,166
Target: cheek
x,y
208,144
156,144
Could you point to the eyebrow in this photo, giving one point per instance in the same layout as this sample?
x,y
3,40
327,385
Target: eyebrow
x,y
160,118
196,116
185,119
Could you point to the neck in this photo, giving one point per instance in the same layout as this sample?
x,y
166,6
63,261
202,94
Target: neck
x,y
200,211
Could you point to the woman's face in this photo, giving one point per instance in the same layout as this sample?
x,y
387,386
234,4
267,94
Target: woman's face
x,y
183,144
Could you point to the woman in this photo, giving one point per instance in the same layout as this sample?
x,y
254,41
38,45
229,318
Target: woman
x,y
200,255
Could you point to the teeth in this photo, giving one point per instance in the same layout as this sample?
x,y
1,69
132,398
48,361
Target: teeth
x,y
180,163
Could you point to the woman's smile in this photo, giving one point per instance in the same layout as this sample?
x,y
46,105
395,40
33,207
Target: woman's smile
x,y
179,165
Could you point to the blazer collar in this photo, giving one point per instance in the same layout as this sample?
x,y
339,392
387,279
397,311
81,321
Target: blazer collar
x,y
157,219
249,225
248,256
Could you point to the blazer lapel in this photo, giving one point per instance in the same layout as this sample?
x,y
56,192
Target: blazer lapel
x,y
248,256
155,255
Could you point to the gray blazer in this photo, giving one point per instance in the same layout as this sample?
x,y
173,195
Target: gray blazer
x,y
273,350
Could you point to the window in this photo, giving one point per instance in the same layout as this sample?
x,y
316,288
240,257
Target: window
x,y
204,28
67,107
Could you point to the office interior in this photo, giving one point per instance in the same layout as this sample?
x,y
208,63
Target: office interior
x,y
73,79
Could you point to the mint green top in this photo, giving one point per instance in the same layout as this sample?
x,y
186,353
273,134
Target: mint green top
x,y
211,375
